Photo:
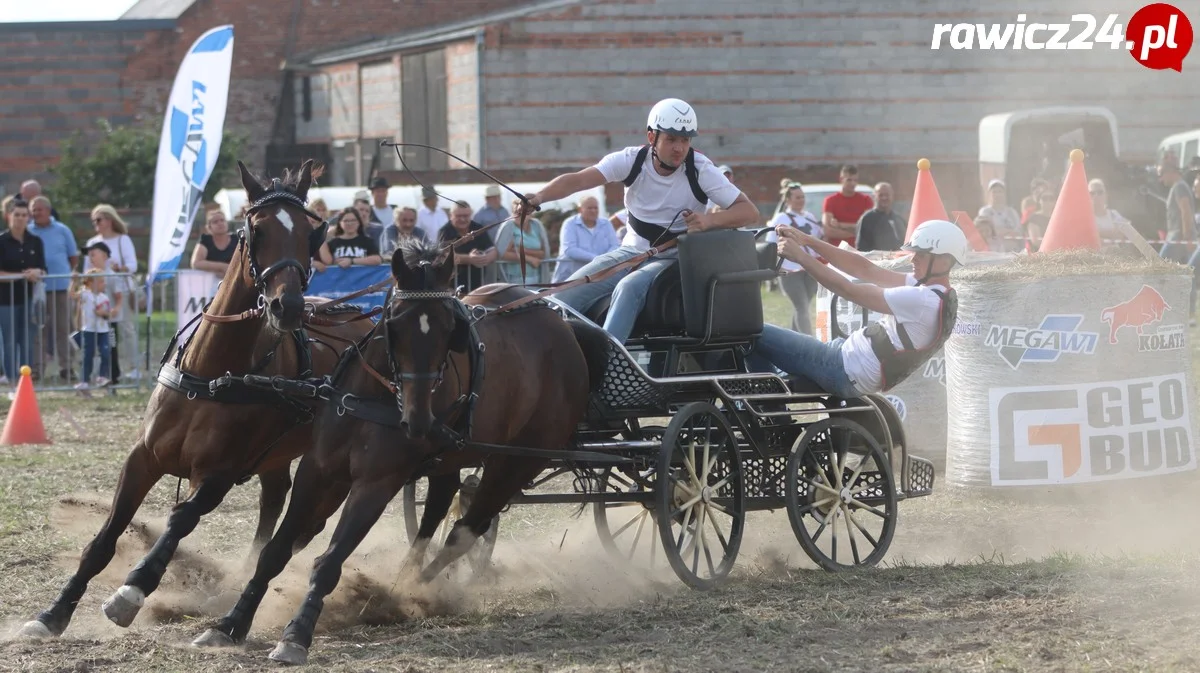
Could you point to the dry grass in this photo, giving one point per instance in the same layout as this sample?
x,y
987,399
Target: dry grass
x,y
971,585
1070,263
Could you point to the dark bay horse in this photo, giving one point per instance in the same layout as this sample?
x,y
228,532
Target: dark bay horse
x,y
213,442
535,381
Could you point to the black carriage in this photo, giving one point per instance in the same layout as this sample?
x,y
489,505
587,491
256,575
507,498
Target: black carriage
x,y
733,441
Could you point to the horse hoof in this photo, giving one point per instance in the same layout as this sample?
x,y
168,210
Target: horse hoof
x,y
35,629
289,653
124,605
213,638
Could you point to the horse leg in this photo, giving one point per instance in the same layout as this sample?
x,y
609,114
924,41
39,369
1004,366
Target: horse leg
x,y
503,478
138,476
275,487
368,498
438,498
316,496
125,603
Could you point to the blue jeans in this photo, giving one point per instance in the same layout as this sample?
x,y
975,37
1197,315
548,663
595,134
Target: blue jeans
x,y
628,288
92,341
14,324
803,355
1178,252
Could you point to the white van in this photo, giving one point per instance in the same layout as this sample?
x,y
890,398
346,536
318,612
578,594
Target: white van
x,y
1185,146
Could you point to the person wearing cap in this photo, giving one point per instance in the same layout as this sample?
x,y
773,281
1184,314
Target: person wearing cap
x,y
728,173
667,188
492,212
430,218
919,310
1005,220
381,210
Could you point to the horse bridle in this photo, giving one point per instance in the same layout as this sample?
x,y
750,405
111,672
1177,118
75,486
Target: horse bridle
x,y
277,194
420,299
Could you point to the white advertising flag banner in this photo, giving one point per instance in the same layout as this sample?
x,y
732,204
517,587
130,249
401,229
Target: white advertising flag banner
x,y
194,289
188,149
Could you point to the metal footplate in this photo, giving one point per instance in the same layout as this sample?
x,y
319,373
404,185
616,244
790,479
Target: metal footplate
x,y
918,477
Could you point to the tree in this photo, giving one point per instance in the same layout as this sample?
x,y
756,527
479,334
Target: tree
x,y
119,168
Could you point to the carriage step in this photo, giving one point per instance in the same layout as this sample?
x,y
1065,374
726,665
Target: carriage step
x,y
920,477
745,386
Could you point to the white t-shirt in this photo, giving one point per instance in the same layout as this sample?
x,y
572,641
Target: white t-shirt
x,y
431,220
89,302
917,307
657,199
120,248
804,221
1106,226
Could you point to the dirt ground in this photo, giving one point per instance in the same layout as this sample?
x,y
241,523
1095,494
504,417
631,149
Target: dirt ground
x,y
970,584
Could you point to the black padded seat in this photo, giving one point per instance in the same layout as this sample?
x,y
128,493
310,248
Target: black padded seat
x,y
663,313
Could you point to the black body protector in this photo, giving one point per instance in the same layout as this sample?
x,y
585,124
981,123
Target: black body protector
x,y
897,365
658,233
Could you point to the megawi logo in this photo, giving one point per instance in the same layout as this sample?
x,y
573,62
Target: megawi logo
x,y
935,368
1144,308
190,148
1056,335
898,405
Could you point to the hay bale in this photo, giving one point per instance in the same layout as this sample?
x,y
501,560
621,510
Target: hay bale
x,y
1080,372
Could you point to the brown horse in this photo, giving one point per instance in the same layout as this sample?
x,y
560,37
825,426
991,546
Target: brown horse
x,y
532,382
216,440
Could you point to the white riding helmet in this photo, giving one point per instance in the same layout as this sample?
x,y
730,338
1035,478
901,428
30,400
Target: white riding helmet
x,y
939,237
673,116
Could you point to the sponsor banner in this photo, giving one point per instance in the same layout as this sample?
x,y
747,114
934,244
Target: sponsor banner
x,y
1133,318
193,291
1091,432
189,145
336,282
1056,335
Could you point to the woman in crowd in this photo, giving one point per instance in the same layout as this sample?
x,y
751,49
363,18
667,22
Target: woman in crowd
x,y
537,250
798,285
215,250
348,246
22,263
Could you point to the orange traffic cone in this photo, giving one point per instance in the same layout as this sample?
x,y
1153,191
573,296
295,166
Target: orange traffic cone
x,y
24,422
1072,224
926,203
967,225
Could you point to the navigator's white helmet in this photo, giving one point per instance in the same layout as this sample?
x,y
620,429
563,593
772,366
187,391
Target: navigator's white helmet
x,y
673,116
939,237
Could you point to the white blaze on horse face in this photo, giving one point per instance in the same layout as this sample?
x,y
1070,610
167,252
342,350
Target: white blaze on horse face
x,y
284,219
424,324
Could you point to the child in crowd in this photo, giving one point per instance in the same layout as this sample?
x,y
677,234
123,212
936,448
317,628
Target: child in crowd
x,y
94,310
100,257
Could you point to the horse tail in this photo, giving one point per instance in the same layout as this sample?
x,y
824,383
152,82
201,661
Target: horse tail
x,y
593,341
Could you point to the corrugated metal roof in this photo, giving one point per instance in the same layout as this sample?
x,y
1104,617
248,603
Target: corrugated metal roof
x,y
430,36
158,9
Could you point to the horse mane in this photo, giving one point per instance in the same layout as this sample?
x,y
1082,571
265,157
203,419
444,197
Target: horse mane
x,y
418,253
290,180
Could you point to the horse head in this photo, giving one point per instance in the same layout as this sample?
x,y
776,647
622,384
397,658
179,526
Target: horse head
x,y
424,322
279,241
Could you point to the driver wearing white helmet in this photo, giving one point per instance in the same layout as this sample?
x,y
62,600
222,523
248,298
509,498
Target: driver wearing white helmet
x,y
665,197
919,312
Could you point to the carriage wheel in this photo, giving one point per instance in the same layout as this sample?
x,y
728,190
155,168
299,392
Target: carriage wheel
x,y
841,495
700,501
480,554
627,529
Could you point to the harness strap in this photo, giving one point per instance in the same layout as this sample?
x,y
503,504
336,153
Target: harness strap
x,y
689,170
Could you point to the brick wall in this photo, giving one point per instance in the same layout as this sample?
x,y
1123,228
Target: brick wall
x,y
462,105
779,83
343,97
316,129
53,82
381,98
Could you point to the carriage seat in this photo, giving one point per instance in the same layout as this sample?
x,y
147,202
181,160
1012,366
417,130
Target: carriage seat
x,y
663,313
712,291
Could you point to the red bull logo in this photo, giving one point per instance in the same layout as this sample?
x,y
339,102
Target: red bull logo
x,y
1145,308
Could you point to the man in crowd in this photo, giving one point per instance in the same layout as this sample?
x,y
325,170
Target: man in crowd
x,y
492,211
62,255
405,227
842,209
469,258
1005,220
429,216
381,210
881,228
581,240
1181,211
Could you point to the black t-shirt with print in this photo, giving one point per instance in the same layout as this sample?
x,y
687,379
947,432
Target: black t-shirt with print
x,y
470,276
359,246
16,256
